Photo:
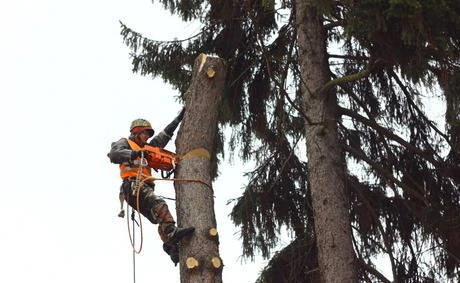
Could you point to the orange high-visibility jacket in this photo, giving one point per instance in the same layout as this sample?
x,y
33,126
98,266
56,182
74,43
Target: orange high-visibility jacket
x,y
128,170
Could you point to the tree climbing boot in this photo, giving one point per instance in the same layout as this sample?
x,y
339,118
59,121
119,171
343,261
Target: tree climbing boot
x,y
177,234
173,251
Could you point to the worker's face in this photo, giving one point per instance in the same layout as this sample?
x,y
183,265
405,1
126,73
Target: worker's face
x,y
143,137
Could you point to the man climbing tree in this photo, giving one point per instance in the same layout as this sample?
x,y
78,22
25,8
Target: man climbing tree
x,y
130,154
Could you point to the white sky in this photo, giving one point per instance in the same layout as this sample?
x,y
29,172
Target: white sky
x,y
67,91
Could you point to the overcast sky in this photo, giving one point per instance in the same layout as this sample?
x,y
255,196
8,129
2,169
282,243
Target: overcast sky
x,y
67,92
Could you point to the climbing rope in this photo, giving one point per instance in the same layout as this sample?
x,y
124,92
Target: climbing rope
x,y
134,238
137,186
131,235
176,180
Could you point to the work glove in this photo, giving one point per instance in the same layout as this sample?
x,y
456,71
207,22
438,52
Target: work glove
x,y
138,153
169,130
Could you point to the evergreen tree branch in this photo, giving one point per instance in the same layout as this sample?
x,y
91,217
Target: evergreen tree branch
x,y
284,93
335,24
365,266
141,37
283,167
347,79
348,57
374,271
384,173
280,85
386,241
412,103
370,115
373,124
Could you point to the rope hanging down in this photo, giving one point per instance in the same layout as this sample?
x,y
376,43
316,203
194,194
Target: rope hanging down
x,y
134,238
137,186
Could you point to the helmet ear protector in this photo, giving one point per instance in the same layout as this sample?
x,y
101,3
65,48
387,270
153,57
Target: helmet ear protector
x,y
140,125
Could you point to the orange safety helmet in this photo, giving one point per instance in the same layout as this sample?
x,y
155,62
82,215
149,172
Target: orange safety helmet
x,y
140,125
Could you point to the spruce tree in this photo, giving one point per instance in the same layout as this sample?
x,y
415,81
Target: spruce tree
x,y
394,177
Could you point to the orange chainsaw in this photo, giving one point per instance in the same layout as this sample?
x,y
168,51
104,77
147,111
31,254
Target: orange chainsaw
x,y
162,159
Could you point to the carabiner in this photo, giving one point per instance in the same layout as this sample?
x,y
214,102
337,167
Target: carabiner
x,y
144,162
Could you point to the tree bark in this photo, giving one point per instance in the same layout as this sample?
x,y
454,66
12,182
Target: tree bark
x,y
194,199
325,160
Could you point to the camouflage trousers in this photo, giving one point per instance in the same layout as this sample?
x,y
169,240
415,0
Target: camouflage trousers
x,y
151,206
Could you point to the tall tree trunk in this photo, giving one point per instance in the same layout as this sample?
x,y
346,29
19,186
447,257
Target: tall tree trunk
x,y
195,200
325,161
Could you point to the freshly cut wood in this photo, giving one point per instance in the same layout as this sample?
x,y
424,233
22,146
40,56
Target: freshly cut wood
x,y
191,263
216,262
213,233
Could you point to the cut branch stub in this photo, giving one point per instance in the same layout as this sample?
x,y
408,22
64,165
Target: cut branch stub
x,y
191,263
216,262
213,233
210,72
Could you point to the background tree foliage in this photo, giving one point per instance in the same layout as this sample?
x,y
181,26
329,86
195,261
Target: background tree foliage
x,y
403,170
